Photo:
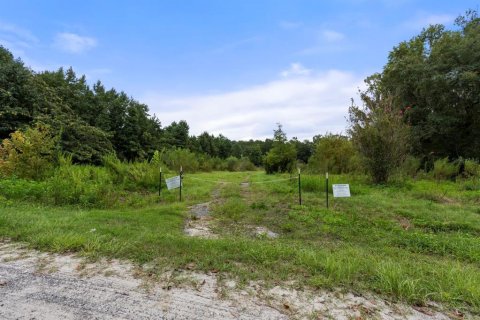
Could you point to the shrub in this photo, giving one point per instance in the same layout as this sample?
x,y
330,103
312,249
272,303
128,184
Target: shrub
x,y
245,164
379,134
242,164
136,175
443,169
471,168
231,163
333,153
410,166
83,185
29,154
176,158
283,155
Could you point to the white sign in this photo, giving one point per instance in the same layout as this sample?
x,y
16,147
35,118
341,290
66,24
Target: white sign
x,y
173,182
341,190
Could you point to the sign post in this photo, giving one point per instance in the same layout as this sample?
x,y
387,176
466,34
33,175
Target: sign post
x,y
326,186
299,188
181,177
160,183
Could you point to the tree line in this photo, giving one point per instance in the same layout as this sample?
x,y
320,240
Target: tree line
x,y
93,121
424,105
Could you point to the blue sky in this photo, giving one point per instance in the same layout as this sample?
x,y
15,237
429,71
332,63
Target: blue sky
x,y
231,67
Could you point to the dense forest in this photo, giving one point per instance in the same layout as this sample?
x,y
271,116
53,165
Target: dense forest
x,y
427,99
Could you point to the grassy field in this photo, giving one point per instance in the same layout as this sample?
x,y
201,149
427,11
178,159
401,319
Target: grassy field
x,y
414,241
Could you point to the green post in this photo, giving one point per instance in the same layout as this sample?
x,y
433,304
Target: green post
x,y
299,188
326,186
181,178
160,183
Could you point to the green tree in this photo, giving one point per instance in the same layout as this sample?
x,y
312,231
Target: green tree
x,y
304,149
18,100
282,156
176,135
333,153
379,133
434,79
86,144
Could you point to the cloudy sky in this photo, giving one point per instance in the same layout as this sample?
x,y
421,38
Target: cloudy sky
x,y
235,67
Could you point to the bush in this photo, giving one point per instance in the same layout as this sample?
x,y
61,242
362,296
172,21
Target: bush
x,y
471,168
245,164
136,175
333,153
176,158
83,185
444,169
28,154
231,163
283,155
379,134
410,166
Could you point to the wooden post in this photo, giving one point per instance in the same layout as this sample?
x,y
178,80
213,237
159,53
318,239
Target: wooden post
x,y
299,188
326,186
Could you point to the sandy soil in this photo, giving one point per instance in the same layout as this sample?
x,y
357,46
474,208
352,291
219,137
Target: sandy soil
x,y
36,285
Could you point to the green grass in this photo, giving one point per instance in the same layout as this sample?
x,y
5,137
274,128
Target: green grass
x,y
412,241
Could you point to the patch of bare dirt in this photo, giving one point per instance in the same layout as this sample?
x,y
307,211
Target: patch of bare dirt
x,y
199,223
264,232
404,223
200,226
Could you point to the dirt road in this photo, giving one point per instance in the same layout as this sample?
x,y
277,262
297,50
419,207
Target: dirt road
x,y
36,285
41,286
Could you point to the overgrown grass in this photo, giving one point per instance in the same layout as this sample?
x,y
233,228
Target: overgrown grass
x,y
413,241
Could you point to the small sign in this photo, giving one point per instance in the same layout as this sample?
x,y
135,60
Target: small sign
x,y
341,190
173,182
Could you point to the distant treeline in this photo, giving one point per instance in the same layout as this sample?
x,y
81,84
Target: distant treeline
x,y
92,122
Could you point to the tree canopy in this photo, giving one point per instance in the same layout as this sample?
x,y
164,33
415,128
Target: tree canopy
x,y
434,79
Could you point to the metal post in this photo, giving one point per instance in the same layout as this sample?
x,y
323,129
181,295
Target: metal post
x,y
181,178
326,186
160,183
299,188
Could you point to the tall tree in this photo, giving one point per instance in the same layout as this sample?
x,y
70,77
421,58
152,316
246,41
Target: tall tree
x,y
434,79
379,132
282,156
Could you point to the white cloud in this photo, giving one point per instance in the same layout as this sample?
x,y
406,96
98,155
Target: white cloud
x,y
332,36
74,43
306,106
327,41
424,20
296,69
22,35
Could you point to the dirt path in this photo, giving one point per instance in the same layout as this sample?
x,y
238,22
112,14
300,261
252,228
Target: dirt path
x,y
198,225
41,286
36,285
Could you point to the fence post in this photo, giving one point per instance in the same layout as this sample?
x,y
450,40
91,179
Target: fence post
x,y
326,186
299,188
181,178
160,183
